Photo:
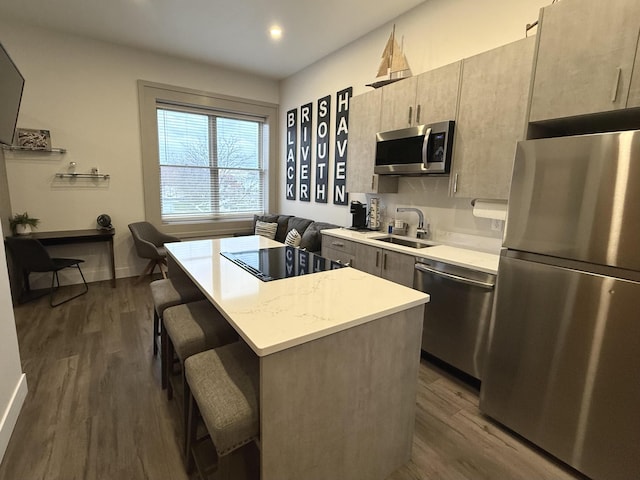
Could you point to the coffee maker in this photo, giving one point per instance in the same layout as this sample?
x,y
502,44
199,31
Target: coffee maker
x,y
359,212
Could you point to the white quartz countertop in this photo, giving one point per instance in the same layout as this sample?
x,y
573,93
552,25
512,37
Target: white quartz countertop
x,y
272,316
463,257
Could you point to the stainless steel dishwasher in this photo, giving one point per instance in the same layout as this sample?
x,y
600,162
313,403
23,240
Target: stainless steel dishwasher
x,y
456,320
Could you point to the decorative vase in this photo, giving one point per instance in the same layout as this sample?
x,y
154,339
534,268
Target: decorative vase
x,y
23,229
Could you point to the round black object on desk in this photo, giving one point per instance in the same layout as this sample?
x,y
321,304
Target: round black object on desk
x,y
104,222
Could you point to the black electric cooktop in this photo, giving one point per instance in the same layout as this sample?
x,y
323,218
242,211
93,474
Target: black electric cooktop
x,y
280,262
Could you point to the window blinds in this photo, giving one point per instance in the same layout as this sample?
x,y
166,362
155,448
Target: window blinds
x,y
211,164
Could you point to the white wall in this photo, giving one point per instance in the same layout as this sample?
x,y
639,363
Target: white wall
x,y
436,33
13,383
85,93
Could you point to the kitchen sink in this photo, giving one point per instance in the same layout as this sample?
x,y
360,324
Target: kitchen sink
x,y
406,242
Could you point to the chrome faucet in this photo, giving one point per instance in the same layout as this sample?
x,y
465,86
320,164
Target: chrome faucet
x,y
421,231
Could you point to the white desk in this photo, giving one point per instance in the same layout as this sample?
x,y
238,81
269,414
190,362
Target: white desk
x,y
339,356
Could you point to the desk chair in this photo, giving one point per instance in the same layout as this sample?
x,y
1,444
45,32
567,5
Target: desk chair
x,y
149,243
31,256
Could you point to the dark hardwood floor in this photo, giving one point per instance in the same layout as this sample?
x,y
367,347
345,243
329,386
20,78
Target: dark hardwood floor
x,y
95,409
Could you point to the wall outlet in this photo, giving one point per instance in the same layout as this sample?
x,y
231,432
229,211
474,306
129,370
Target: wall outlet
x,y
496,225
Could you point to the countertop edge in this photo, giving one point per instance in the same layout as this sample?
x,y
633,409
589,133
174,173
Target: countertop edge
x,y
263,351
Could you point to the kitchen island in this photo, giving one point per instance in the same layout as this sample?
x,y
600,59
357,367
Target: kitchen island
x,y
339,352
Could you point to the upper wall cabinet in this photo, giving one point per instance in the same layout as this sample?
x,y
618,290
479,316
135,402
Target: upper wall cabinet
x,y
585,58
398,105
491,119
364,123
437,94
427,98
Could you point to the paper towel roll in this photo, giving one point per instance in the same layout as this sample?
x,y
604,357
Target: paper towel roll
x,y
488,209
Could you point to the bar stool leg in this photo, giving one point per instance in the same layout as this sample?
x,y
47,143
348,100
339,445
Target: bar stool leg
x,y
186,393
168,365
164,344
191,430
156,329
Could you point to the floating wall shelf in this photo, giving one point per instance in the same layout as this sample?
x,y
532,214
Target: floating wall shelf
x,y
103,176
16,148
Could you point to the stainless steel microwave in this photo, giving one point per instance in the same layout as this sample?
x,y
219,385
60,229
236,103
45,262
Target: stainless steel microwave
x,y
421,150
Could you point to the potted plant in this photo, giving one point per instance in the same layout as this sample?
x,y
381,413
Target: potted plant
x,y
22,223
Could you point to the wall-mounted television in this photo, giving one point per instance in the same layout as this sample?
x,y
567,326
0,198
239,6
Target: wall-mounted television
x,y
11,85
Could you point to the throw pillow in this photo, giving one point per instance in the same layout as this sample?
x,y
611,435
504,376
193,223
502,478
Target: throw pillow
x,y
266,229
293,238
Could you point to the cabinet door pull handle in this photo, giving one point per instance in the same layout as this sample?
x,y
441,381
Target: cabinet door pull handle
x,y
373,179
337,244
377,258
418,115
616,85
455,183
410,115
384,261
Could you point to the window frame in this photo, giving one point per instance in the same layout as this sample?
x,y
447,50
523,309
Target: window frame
x,y
150,96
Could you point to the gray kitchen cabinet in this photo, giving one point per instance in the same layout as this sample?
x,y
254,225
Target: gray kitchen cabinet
x,y
395,266
491,119
398,108
585,60
337,249
426,98
364,123
367,258
398,267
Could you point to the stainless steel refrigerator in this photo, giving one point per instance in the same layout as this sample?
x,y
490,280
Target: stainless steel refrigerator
x,y
563,368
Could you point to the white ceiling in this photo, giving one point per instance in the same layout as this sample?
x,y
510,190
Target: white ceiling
x,y
231,33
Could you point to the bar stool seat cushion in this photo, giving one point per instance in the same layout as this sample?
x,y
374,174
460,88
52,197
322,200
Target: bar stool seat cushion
x,y
195,327
169,292
224,384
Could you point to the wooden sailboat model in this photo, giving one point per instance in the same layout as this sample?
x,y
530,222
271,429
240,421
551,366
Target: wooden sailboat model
x,y
394,65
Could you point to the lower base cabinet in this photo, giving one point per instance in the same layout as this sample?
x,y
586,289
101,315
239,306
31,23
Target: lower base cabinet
x,y
337,249
390,265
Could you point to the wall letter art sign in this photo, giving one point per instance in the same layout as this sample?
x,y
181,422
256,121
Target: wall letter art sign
x,y
292,138
305,152
322,149
340,195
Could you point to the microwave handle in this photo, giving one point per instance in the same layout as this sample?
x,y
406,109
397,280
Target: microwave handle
x,y
425,149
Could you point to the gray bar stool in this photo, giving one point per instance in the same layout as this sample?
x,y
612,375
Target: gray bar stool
x,y
188,329
168,293
223,390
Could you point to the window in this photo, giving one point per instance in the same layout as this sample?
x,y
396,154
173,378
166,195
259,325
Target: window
x,y
206,160
211,165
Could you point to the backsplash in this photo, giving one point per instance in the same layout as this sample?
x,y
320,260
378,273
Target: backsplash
x,y
450,220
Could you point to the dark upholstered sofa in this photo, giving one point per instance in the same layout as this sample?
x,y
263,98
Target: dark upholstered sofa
x,y
308,229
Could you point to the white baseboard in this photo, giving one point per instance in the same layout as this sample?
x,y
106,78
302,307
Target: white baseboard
x,y
10,416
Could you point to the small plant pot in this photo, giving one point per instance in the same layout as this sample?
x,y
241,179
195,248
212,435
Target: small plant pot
x,y
23,229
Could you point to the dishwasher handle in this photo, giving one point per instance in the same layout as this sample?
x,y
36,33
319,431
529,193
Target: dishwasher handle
x,y
456,278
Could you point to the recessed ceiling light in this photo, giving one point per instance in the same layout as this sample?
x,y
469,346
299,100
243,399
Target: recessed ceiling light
x,y
275,32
